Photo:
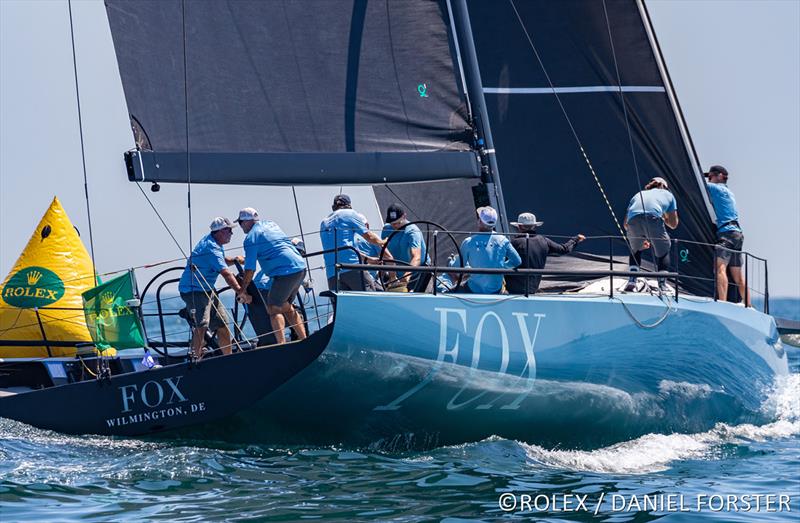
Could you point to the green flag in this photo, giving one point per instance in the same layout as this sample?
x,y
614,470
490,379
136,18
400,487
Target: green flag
x,y
112,322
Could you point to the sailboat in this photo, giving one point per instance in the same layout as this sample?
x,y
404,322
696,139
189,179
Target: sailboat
x,y
446,106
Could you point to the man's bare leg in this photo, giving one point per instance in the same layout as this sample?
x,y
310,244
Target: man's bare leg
x,y
722,280
198,337
738,277
295,320
224,339
278,323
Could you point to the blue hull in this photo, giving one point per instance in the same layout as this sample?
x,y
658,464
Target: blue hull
x,y
406,371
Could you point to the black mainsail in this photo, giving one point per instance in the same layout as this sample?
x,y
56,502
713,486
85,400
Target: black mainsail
x,y
292,92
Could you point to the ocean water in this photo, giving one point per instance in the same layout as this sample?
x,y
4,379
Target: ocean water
x,y
728,473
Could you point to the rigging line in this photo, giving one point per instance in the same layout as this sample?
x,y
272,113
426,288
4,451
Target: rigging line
x,y
569,122
303,237
405,205
83,148
177,243
627,121
186,117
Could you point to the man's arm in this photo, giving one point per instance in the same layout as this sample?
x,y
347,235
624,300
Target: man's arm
x,y
230,279
373,238
671,219
563,248
230,260
513,259
241,292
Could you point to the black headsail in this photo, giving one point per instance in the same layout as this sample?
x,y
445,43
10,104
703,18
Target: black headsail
x,y
292,92
543,110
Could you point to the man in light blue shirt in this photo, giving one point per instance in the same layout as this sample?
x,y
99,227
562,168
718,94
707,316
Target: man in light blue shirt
x,y
337,232
197,282
407,246
649,213
729,234
487,250
267,244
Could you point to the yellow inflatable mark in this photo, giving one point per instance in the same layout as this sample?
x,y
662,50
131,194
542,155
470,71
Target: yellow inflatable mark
x,y
41,296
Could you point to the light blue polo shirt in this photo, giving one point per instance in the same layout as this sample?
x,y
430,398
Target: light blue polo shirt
x,y
656,202
401,243
488,251
347,223
724,206
275,253
208,258
367,249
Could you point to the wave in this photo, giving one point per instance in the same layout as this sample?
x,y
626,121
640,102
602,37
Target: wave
x,y
656,452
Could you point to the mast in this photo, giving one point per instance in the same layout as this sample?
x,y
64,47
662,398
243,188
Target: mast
x,y
463,34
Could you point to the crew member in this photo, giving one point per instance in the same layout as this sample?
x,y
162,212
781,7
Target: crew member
x,y
729,234
196,286
407,246
487,250
266,243
534,248
337,232
649,213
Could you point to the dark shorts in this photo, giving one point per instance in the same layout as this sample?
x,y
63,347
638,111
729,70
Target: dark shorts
x,y
284,288
205,311
352,281
729,248
648,227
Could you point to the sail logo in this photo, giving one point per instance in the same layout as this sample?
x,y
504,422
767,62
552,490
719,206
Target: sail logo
x,y
107,298
455,327
33,287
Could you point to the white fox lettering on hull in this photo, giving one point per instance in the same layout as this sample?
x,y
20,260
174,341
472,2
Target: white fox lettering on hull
x,y
152,393
449,353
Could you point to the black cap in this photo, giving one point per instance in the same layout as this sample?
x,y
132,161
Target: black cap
x,y
341,200
394,212
717,169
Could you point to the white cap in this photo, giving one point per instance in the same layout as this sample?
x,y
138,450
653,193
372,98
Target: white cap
x,y
487,215
526,219
248,213
219,223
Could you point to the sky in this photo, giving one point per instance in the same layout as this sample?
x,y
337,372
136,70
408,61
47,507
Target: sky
x,y
735,65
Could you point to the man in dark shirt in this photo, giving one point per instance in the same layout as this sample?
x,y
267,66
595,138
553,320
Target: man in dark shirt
x,y
533,248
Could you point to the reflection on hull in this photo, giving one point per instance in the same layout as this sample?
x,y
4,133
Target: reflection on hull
x,y
421,371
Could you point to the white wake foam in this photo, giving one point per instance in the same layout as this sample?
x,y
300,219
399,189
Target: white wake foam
x,y
655,452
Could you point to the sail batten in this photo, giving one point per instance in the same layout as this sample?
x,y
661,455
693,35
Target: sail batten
x,y
576,89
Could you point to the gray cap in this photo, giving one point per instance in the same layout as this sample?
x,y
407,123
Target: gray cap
x,y
526,219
